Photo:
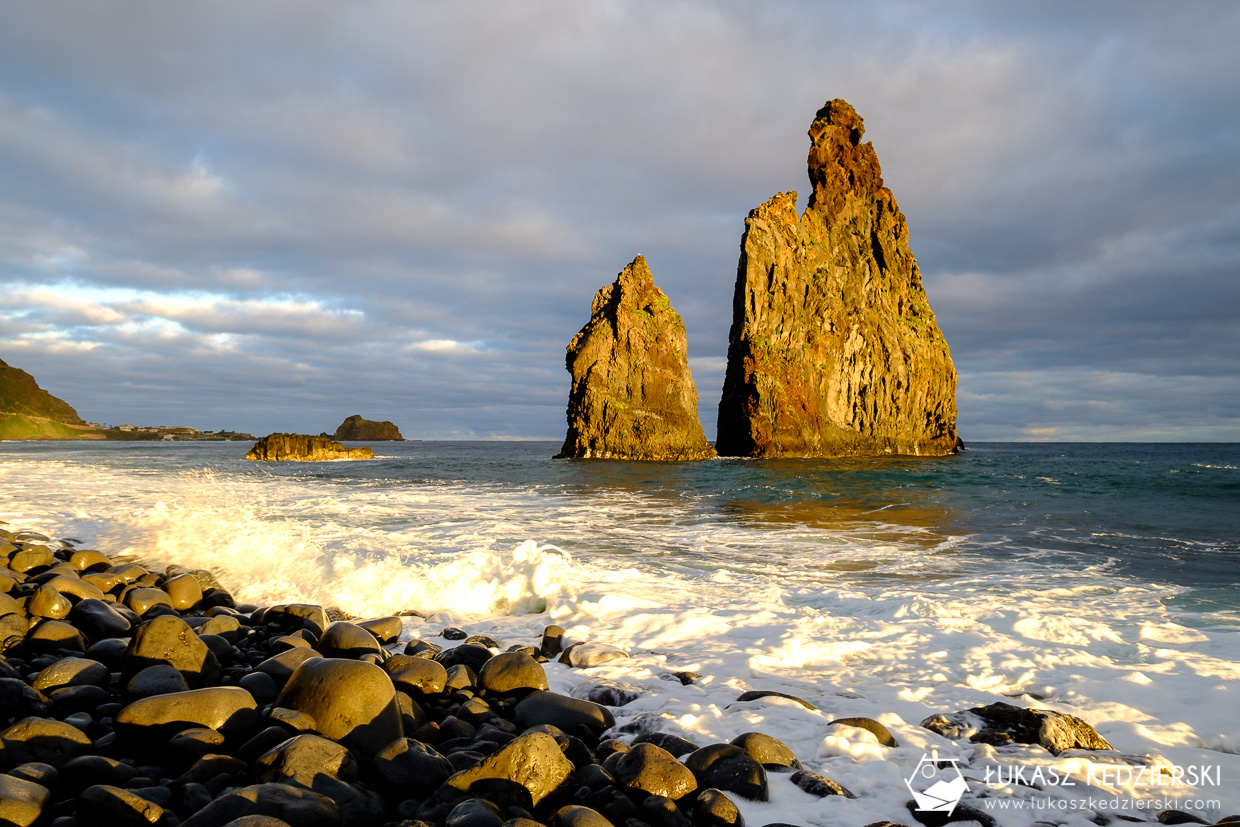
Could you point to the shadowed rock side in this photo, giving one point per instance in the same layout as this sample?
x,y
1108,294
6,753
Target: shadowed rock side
x,y
303,448
633,396
834,350
355,428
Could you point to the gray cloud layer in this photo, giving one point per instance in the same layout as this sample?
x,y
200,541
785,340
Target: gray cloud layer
x,y
270,216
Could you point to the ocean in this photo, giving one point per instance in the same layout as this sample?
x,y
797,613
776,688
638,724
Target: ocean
x,y
1100,580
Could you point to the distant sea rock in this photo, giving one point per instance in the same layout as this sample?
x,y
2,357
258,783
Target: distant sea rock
x,y
834,349
21,394
632,396
357,428
304,448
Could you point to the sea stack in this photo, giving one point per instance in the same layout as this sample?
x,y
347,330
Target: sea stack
x,y
834,350
633,396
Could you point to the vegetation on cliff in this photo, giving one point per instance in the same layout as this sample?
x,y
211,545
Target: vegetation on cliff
x,y
21,394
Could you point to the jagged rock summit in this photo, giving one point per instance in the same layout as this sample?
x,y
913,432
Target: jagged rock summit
x,y
355,428
834,350
304,448
633,396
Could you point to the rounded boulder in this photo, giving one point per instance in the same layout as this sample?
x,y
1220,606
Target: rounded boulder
x,y
416,676
351,701
655,771
512,672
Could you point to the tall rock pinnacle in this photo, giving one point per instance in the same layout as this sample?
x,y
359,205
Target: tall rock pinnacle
x,y
834,350
633,396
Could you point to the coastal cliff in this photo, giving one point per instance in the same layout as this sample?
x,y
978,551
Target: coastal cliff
x,y
632,395
27,411
355,428
834,350
303,448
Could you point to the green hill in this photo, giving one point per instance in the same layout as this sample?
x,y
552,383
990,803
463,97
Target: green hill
x,y
20,394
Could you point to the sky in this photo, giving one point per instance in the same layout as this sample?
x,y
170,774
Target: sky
x,y
270,216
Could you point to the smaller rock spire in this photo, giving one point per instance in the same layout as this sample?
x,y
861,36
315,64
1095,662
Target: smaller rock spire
x,y
633,395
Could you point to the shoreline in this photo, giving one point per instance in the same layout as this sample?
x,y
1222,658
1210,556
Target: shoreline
x,y
468,718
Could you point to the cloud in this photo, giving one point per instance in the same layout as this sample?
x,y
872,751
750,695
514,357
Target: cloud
x,y
228,212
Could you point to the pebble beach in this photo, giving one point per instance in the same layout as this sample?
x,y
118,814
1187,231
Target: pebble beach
x,y
141,696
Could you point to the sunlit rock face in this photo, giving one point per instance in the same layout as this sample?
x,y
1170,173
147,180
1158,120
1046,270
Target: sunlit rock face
x,y
303,448
633,396
834,349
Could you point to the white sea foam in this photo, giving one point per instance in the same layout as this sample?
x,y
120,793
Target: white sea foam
x,y
782,608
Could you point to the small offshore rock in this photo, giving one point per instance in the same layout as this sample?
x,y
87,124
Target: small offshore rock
x,y
358,429
303,448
